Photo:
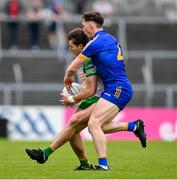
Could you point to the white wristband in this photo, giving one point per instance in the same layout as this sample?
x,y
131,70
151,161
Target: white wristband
x,y
71,99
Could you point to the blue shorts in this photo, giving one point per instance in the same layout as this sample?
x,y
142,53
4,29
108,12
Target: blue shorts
x,y
118,93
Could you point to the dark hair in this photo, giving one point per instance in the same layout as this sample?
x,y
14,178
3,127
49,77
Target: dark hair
x,y
95,17
78,36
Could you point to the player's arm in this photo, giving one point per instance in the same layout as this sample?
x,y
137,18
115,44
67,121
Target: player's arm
x,y
71,70
90,82
88,90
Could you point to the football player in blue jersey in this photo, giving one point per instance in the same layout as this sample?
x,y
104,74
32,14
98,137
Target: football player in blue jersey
x,y
107,55
76,41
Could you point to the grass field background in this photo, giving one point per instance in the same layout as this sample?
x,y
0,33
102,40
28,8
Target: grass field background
x,y
126,159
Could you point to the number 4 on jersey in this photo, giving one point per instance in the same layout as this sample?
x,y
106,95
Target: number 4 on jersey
x,y
120,53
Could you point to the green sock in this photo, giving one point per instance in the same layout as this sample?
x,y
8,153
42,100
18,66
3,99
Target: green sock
x,y
84,163
47,151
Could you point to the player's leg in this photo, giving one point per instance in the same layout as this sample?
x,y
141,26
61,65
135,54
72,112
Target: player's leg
x,y
77,142
115,126
79,122
78,119
103,113
78,146
137,127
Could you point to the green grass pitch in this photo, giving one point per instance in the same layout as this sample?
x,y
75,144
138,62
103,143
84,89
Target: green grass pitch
x,y
127,160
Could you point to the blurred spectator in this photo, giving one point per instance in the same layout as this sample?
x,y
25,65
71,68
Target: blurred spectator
x,y
106,8
1,7
13,9
167,8
53,17
79,6
34,15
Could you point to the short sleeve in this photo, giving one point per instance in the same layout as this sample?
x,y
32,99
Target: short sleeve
x,y
91,48
89,68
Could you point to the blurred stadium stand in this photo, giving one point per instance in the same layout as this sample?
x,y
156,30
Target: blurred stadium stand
x,y
148,37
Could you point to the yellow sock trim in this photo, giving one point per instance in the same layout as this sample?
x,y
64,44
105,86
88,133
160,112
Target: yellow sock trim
x,y
102,157
53,149
126,126
83,159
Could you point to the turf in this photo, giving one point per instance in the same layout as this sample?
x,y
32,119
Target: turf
x,y
127,160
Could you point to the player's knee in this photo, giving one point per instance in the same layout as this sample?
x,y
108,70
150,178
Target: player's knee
x,y
92,126
73,123
75,120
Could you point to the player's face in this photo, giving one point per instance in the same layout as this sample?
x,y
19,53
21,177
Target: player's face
x,y
88,28
75,49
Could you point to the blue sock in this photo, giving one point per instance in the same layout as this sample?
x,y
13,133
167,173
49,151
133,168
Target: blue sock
x,y
132,126
103,162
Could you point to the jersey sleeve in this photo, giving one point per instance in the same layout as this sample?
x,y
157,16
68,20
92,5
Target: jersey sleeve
x,y
91,48
89,68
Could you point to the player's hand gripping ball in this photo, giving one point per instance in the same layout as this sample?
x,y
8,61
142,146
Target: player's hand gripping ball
x,y
72,90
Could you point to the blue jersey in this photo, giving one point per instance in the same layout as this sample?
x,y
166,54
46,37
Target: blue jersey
x,y
107,56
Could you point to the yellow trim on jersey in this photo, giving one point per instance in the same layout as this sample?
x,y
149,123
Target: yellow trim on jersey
x,y
83,57
119,55
90,42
